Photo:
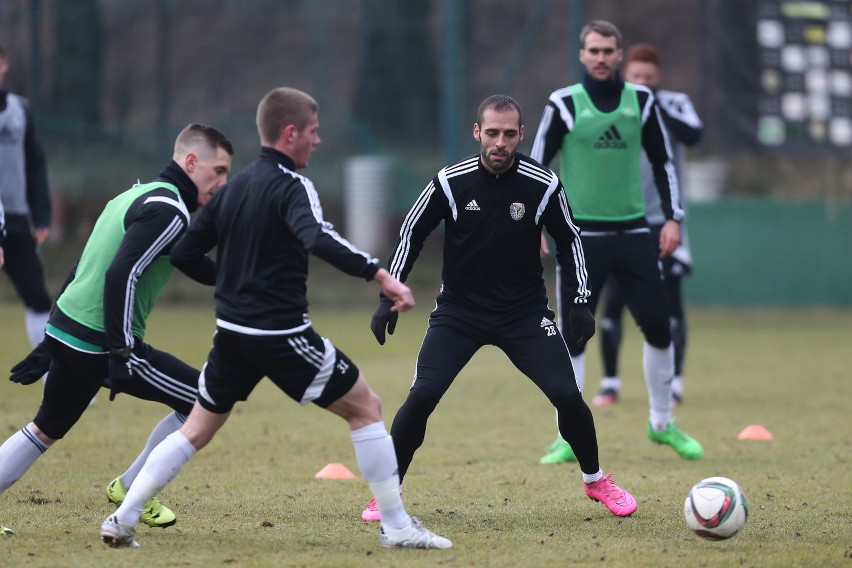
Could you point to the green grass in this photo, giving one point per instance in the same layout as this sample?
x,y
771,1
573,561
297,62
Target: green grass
x,y
250,498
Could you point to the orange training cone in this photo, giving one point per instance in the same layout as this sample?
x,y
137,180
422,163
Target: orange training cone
x,y
755,432
335,471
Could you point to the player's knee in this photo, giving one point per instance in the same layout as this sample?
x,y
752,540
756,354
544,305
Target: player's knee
x,y
568,402
44,437
657,333
422,399
373,406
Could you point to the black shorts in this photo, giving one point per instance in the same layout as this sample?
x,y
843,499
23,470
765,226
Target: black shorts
x,y
532,341
306,366
632,260
75,377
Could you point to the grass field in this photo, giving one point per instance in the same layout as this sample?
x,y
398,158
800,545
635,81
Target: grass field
x,y
250,498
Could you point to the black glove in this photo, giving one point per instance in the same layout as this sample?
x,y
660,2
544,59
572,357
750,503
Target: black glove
x,y
581,323
33,367
383,318
118,371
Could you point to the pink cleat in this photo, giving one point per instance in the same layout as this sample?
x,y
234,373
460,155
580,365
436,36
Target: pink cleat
x,y
617,500
371,513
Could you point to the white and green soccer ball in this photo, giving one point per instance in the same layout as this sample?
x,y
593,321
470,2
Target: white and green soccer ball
x,y
716,508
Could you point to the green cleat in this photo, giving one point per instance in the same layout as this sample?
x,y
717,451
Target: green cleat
x,y
558,452
155,514
6,531
685,445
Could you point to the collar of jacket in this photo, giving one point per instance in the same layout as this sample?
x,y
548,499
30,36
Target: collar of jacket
x,y
502,175
269,153
174,174
603,88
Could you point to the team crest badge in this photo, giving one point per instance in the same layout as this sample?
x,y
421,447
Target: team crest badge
x,y
517,210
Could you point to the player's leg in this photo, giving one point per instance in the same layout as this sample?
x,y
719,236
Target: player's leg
x,y
677,323
164,378
229,376
25,270
445,350
337,385
639,275
540,353
598,254
610,342
163,465
64,400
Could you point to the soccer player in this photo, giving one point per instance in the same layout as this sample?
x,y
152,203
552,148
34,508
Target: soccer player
x,y
264,224
26,199
684,126
96,330
494,206
600,127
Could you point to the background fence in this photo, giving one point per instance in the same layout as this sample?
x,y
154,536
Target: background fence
x,y
114,81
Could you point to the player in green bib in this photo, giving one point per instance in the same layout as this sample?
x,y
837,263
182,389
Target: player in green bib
x,y
600,128
94,336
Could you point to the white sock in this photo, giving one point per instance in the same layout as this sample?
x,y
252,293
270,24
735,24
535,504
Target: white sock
x,y
164,463
376,458
658,365
18,454
613,383
166,426
677,385
35,323
592,477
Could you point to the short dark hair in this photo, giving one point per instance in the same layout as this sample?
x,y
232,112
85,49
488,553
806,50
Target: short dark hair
x,y
644,52
211,137
499,102
602,27
280,107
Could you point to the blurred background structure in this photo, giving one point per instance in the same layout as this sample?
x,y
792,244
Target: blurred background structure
x,y
769,186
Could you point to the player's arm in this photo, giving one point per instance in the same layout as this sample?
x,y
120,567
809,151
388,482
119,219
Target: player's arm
x,y
189,253
424,217
303,215
38,194
655,142
555,123
428,210
558,220
150,230
680,117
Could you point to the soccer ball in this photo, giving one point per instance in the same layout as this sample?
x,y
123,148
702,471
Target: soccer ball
x,y
716,508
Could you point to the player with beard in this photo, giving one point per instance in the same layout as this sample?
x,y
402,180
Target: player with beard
x,y
494,206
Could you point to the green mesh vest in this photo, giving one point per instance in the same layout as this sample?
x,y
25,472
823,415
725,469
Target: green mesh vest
x,y
600,159
83,299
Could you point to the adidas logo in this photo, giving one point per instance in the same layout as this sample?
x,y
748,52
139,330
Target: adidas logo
x,y
610,139
546,322
472,206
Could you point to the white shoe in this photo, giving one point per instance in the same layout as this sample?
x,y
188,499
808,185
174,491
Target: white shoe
x,y
116,535
413,536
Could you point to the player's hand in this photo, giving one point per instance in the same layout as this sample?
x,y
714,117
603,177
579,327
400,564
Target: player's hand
x,y
669,238
545,248
33,367
118,373
581,323
383,318
41,235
